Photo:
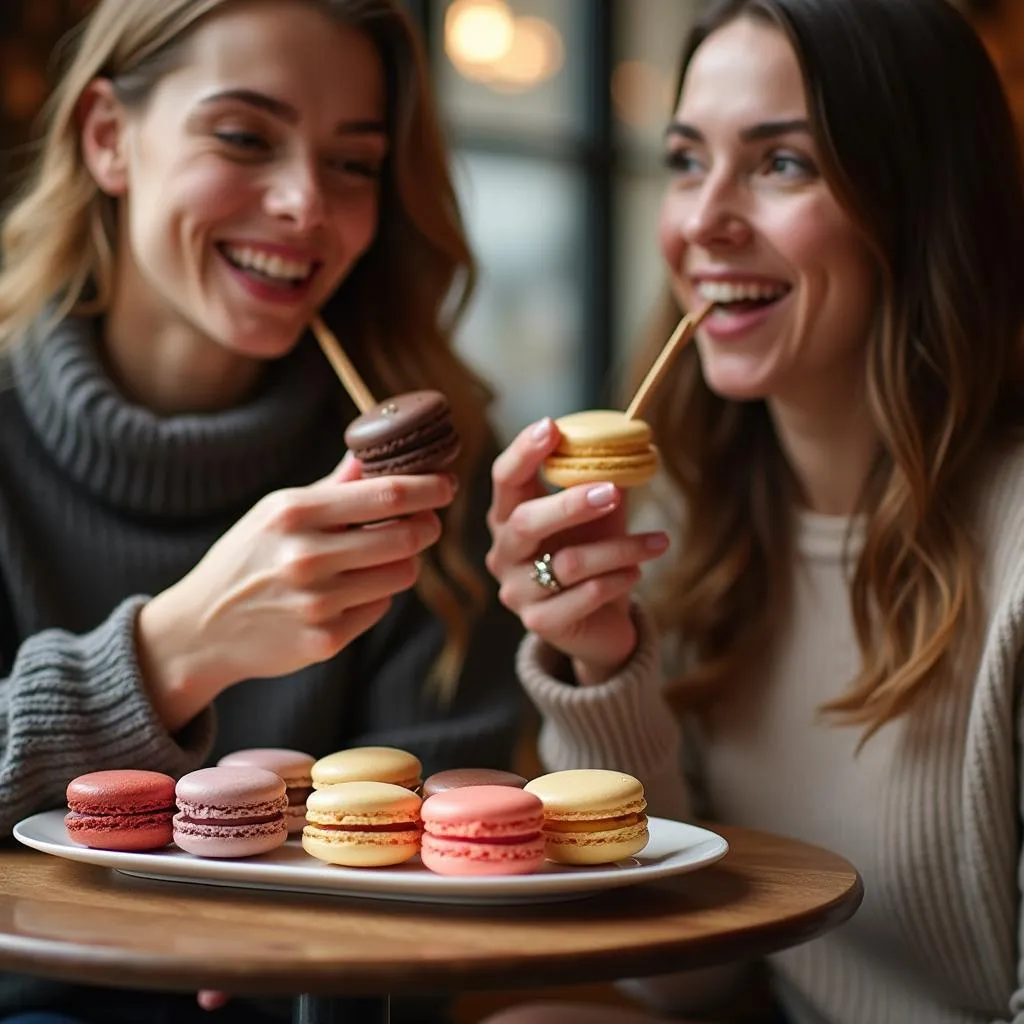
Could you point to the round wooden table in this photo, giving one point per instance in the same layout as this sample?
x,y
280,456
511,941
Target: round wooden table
x,y
88,924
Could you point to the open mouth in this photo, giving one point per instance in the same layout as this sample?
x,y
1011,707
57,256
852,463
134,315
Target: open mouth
x,y
743,297
269,269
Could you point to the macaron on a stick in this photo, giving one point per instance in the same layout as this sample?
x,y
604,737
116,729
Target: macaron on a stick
x,y
591,816
124,810
230,812
293,766
409,433
368,764
362,824
483,830
604,445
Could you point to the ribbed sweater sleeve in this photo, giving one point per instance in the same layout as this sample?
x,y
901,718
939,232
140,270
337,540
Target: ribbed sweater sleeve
x,y
624,723
75,704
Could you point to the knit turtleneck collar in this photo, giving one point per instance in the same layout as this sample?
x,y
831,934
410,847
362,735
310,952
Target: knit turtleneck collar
x,y
192,465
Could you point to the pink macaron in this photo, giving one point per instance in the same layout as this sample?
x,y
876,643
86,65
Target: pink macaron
x,y
120,810
230,812
292,765
482,830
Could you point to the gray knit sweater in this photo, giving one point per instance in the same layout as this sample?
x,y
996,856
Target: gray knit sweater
x,y
103,503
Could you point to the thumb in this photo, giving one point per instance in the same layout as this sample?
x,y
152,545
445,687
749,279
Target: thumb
x,y
209,999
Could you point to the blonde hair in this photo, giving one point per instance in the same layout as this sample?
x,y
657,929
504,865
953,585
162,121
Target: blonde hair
x,y
58,246
942,364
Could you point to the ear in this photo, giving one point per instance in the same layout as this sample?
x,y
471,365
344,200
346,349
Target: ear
x,y
102,121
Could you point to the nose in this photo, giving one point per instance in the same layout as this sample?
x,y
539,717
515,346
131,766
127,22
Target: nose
x,y
296,195
713,217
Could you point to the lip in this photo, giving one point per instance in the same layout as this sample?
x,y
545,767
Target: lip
x,y
728,325
265,292
286,252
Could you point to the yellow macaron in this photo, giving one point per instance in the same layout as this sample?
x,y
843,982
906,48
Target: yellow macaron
x,y
601,445
362,824
591,816
368,764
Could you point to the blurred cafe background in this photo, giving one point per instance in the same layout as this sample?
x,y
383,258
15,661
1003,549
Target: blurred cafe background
x,y
555,109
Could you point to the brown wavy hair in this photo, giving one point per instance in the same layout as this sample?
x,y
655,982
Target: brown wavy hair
x,y
918,146
395,312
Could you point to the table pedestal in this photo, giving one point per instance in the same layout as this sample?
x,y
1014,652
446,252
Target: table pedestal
x,y
330,1010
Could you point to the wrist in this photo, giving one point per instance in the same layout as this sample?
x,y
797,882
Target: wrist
x,y
593,673
180,683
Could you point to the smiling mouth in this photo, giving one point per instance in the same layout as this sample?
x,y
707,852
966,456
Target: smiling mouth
x,y
269,269
742,297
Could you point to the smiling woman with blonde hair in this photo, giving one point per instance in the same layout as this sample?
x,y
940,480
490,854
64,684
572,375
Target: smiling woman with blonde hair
x,y
844,475
183,570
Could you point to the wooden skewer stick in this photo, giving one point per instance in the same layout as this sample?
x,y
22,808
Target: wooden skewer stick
x,y
347,373
684,331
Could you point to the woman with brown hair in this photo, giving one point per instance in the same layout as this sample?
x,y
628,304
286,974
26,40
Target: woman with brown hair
x,y
183,572
845,475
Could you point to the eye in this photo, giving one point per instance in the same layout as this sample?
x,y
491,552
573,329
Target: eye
x,y
369,169
789,165
243,141
682,162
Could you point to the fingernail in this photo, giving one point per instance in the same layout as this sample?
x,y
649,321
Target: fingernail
x,y
601,496
656,542
454,481
542,431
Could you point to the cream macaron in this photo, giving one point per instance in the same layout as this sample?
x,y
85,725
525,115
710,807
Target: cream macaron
x,y
591,816
362,824
601,445
368,764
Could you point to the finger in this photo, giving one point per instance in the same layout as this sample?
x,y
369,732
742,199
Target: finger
x,y
533,522
350,590
322,642
209,999
576,564
329,504
316,559
562,612
514,473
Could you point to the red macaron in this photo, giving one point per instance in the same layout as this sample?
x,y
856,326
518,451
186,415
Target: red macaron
x,y
120,810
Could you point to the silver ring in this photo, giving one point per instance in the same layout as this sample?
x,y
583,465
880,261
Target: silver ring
x,y
544,575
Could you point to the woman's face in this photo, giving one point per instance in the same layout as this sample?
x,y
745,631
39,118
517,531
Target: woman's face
x,y
250,178
749,222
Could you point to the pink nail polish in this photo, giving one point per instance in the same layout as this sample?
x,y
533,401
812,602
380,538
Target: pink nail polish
x,y
601,496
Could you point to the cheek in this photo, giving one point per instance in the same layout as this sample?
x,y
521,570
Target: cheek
x,y
356,218
670,238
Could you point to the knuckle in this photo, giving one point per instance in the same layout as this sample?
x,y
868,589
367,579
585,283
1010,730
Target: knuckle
x,y
283,510
315,609
298,565
491,562
519,524
506,595
390,495
533,618
569,565
322,643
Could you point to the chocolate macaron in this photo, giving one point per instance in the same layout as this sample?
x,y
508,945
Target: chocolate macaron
x,y
409,433
460,778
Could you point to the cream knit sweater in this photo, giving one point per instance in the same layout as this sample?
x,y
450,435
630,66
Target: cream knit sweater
x,y
929,811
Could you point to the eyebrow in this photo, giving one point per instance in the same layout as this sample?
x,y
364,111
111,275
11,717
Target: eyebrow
x,y
287,113
755,133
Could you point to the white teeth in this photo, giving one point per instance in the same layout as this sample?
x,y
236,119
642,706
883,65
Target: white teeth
x,y
268,264
724,291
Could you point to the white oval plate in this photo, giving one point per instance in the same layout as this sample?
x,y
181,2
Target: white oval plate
x,y
674,848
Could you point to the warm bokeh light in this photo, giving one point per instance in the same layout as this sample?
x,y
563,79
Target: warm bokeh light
x,y
477,32
535,55
487,44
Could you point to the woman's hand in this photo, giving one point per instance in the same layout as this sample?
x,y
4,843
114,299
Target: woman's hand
x,y
297,579
594,561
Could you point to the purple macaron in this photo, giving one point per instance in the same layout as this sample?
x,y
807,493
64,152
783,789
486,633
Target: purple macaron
x,y
230,812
